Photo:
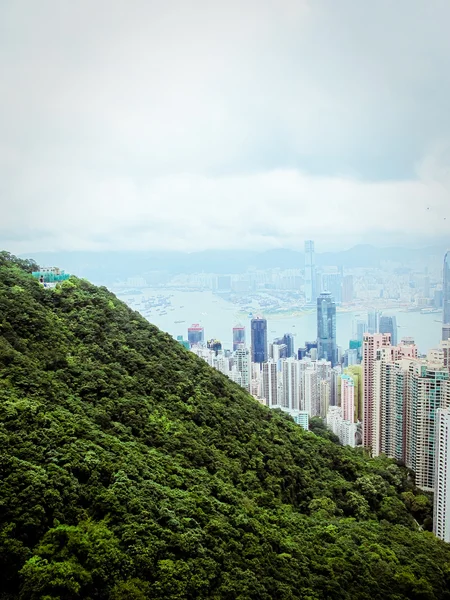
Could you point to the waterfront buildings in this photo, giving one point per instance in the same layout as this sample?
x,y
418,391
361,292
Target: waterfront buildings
x,y
238,336
389,325
441,512
310,273
326,328
259,340
373,322
196,334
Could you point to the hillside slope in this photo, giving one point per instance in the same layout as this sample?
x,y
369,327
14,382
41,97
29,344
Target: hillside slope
x,y
129,469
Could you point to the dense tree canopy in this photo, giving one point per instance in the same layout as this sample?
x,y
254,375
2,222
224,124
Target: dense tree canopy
x,y
129,469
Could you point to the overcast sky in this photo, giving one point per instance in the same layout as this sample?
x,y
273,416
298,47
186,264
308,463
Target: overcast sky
x,y
240,124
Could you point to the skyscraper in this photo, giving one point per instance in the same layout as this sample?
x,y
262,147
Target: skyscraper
x,y
347,289
238,336
371,343
441,512
310,273
373,321
427,390
326,328
446,291
242,363
196,334
288,340
270,382
332,282
259,340
389,325
361,329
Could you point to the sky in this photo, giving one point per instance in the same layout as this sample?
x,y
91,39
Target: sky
x,y
137,124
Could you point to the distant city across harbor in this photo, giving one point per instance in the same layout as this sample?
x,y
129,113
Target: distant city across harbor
x,y
218,317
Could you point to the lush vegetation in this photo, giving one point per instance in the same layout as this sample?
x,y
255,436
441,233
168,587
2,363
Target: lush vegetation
x,y
129,469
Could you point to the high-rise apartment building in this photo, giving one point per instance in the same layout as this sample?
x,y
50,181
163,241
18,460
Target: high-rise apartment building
x,y
371,343
291,375
348,398
389,325
446,290
242,363
326,328
384,394
311,399
259,340
270,382
310,273
238,336
441,512
427,390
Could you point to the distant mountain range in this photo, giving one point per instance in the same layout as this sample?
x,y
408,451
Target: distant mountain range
x,y
106,267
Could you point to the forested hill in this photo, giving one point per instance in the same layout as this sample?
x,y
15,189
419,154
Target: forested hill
x,y
129,469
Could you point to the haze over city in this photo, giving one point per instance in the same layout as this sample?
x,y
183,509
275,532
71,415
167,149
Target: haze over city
x,y
208,125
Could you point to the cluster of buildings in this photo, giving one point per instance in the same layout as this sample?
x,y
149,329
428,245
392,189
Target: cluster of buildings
x,y
379,394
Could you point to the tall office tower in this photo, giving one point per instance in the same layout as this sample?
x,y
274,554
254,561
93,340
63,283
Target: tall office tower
x,y
361,329
278,349
291,384
348,293
259,340
270,382
288,339
441,512
310,273
427,390
389,325
446,290
326,328
238,336
242,363
332,282
311,395
373,322
324,397
371,343
196,334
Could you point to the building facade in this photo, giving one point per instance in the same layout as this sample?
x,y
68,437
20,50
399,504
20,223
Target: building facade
x,y
259,340
389,325
326,328
441,512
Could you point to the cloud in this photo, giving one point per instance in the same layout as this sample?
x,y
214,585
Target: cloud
x,y
216,125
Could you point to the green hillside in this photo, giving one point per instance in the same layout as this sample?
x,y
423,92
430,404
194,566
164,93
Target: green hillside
x,y
129,469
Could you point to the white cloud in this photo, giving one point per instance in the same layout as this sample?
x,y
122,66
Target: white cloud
x,y
213,125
